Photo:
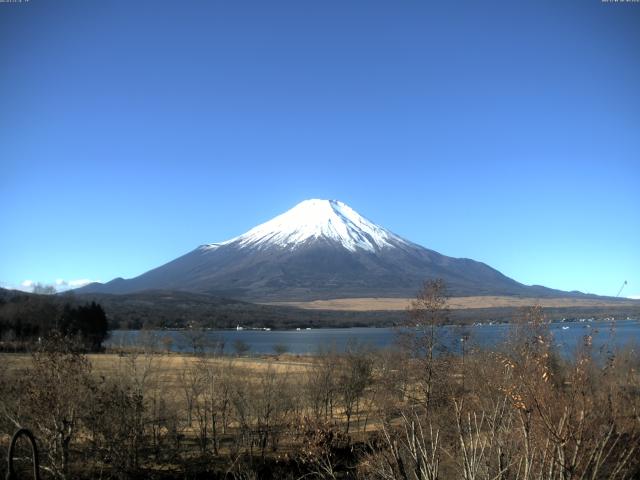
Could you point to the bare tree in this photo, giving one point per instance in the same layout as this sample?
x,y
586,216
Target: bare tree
x,y
271,404
42,289
190,380
211,402
355,375
427,313
280,349
321,385
195,337
241,347
412,451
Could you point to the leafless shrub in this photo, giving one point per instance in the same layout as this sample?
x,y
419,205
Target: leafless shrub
x,y
322,385
322,452
53,394
354,372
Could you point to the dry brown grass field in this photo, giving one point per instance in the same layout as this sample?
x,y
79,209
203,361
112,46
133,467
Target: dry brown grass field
x,y
454,303
167,368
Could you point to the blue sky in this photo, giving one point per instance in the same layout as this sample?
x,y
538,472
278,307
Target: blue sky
x,y
507,132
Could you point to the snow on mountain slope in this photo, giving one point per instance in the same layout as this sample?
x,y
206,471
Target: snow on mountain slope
x,y
316,219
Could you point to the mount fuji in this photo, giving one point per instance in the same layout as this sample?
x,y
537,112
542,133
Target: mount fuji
x,y
320,249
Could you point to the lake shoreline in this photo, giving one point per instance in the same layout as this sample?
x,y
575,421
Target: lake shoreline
x,y
567,335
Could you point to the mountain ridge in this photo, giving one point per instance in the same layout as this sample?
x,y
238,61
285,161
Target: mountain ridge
x,y
319,249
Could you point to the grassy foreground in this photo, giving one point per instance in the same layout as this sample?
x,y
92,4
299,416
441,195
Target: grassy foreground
x,y
517,412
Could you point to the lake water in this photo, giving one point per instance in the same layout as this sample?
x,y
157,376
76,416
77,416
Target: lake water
x,y
566,337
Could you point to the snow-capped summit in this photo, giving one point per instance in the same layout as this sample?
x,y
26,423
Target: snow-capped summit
x,y
315,219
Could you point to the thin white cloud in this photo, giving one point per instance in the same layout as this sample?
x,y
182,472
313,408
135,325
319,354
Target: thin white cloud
x,y
60,284
63,285
634,297
80,282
